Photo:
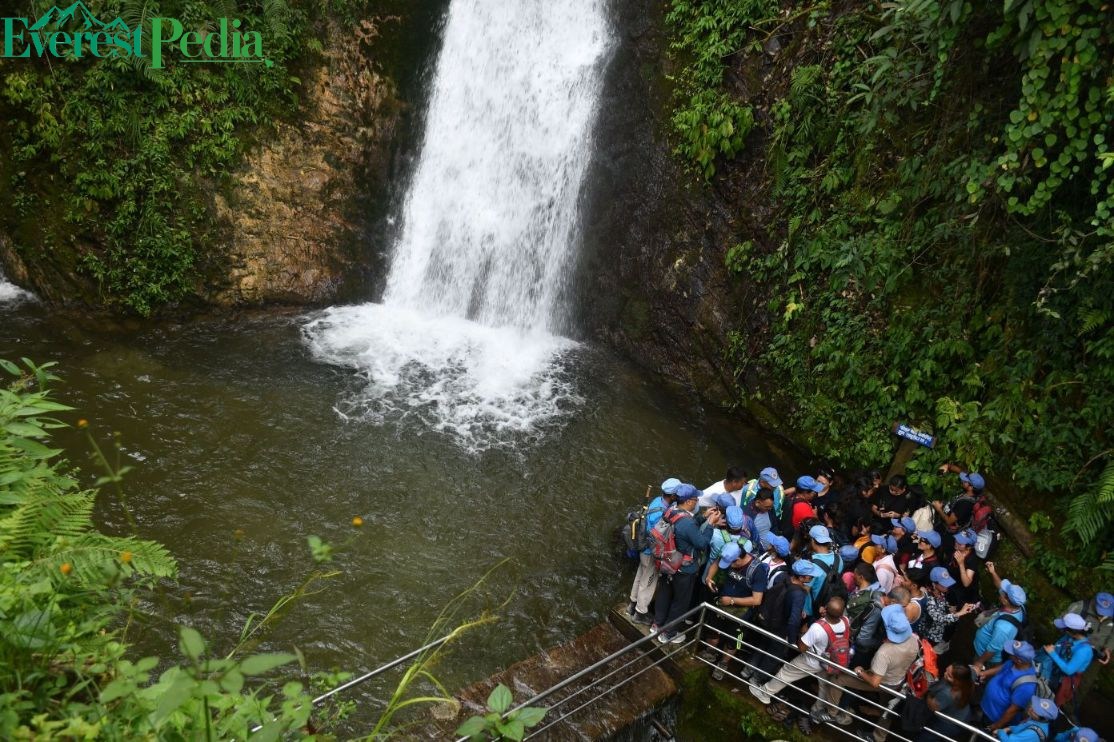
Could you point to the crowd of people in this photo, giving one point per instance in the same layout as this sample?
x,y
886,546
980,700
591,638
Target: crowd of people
x,y
851,585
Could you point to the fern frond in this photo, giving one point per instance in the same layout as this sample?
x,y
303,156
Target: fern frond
x,y
1090,511
94,557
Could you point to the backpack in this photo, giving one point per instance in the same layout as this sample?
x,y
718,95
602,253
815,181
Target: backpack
x,y
636,535
1044,690
772,610
858,607
924,671
839,646
667,558
833,583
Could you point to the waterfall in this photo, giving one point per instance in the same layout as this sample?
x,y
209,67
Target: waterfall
x,y
10,293
467,333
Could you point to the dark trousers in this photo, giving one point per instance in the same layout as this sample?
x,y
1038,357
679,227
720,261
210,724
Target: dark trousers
x,y
673,597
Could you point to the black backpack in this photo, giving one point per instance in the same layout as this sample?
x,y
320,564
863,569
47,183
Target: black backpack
x,y
833,583
636,536
773,611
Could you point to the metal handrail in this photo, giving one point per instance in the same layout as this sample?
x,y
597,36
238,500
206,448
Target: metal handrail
x,y
702,625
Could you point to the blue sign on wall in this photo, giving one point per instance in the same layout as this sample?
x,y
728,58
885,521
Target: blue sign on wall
x,y
917,436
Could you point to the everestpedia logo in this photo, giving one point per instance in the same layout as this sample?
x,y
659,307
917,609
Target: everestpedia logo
x,y
89,37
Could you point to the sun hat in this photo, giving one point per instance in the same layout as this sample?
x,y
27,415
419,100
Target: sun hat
x,y
820,534
780,544
670,485
770,475
905,523
687,492
896,623
1071,621
931,537
1021,650
974,479
1044,708
1014,593
940,576
730,553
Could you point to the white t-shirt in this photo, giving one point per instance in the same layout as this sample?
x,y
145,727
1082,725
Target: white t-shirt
x,y
816,639
708,499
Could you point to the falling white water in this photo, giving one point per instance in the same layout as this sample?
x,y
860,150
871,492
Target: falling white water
x,y
12,294
466,334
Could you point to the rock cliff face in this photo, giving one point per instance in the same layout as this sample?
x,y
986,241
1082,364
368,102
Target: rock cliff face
x,y
300,205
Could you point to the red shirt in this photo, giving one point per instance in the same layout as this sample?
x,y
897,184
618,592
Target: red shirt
x,y
801,511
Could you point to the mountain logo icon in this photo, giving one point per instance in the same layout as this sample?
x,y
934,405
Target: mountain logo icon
x,y
76,13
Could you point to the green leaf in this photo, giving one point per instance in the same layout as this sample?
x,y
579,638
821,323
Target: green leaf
x,y
512,729
172,697
261,663
531,715
500,699
473,727
190,642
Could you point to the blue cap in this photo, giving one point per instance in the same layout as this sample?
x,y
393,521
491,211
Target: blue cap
x,y
805,568
967,538
889,543
730,553
1084,734
1104,604
687,492
973,479
670,485
770,475
820,534
1014,593
896,623
780,544
931,537
734,517
808,483
848,554
905,523
940,576
1044,708
1021,650
1071,621
724,500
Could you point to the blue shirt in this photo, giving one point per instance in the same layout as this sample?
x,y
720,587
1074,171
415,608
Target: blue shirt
x,y
1081,655
691,540
653,515
999,695
735,581
817,584
1026,732
995,633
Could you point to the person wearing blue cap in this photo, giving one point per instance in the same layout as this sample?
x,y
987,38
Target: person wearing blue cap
x,y
802,508
964,568
825,557
927,543
959,513
781,614
884,565
770,481
1098,612
999,626
736,529
740,581
1041,713
646,578
1077,734
761,511
941,614
1062,664
674,592
888,667
776,551
1011,687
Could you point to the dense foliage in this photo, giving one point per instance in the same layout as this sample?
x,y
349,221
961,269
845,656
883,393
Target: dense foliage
x,y
942,256
113,163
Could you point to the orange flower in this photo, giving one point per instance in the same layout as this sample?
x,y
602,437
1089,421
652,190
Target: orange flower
x,y
83,423
357,521
66,568
125,557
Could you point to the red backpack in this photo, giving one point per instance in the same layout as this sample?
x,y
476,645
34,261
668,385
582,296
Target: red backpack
x,y
924,671
839,646
663,537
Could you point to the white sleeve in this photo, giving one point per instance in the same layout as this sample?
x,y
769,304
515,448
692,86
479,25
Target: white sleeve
x,y
708,499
